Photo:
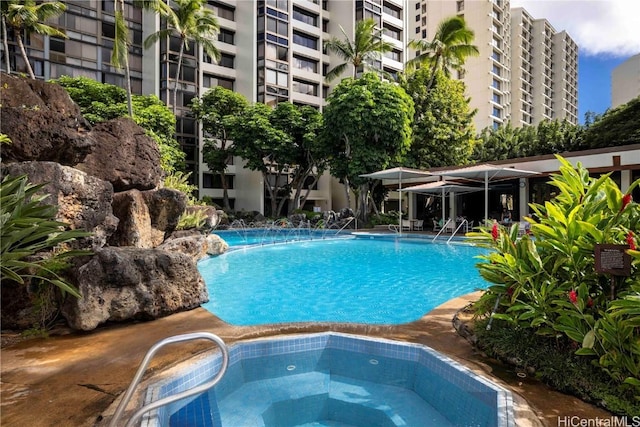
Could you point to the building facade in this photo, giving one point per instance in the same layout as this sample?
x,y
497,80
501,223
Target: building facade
x,y
272,51
526,72
625,81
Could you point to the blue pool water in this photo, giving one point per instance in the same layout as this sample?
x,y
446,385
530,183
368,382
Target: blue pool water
x,y
257,236
363,280
336,380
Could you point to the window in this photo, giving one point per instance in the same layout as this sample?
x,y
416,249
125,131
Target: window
x,y
394,54
57,45
209,80
108,30
496,43
226,36
277,78
273,51
496,55
496,84
226,60
424,34
304,16
305,87
222,11
496,125
305,64
460,5
210,180
277,26
394,33
497,112
304,40
392,11
497,98
496,70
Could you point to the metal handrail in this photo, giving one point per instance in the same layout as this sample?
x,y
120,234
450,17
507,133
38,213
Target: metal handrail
x,y
442,229
169,399
346,225
464,221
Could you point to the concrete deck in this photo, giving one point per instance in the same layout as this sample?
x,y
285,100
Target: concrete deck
x,y
72,379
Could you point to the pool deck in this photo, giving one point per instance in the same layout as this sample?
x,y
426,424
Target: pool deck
x,y
71,378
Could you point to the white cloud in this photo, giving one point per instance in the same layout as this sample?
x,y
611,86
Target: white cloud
x,y
599,27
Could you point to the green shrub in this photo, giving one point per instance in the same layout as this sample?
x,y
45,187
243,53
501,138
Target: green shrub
x,y
384,218
28,231
180,181
196,219
547,282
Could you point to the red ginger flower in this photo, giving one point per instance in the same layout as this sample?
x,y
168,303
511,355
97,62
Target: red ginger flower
x,y
494,231
626,199
573,296
631,241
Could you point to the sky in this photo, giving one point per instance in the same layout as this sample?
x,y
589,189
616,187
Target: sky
x,y
607,33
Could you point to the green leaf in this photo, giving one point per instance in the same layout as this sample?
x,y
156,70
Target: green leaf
x,y
589,339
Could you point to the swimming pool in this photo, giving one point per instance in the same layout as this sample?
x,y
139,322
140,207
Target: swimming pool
x,y
362,279
333,379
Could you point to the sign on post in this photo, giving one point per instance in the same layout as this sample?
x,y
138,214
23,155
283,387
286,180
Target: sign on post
x,y
613,259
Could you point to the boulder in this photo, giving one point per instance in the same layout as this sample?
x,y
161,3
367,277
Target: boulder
x,y
84,201
165,207
195,244
44,124
134,228
124,155
25,306
147,218
216,245
127,283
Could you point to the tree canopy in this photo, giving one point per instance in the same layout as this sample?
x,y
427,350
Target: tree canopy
x,y
99,102
619,126
367,127
443,130
362,51
448,50
215,110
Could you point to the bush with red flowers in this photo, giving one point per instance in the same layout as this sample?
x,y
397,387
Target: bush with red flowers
x,y
546,281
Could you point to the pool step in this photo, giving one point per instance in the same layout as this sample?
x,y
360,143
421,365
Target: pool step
x,y
328,400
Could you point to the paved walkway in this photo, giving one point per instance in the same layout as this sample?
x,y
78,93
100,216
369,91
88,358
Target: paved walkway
x,y
72,379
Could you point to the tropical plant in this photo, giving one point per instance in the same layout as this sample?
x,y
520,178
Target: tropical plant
x,y
120,52
550,284
99,102
443,130
180,181
362,52
448,50
29,16
196,219
214,110
367,127
33,245
190,21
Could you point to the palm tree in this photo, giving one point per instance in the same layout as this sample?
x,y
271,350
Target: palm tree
x,y
367,44
4,7
190,21
29,17
120,53
449,49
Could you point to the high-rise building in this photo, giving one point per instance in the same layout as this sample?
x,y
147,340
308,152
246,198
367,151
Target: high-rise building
x,y
625,81
271,52
526,72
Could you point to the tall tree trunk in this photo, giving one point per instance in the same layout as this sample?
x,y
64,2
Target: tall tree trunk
x,y
225,191
5,45
24,54
127,72
175,88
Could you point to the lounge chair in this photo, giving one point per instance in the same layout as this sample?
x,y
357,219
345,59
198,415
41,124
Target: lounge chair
x,y
406,224
418,225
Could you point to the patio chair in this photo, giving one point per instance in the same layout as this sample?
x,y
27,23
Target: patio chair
x,y
418,225
436,226
406,224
